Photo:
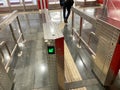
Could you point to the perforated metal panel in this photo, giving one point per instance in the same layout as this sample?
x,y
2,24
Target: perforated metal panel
x,y
108,37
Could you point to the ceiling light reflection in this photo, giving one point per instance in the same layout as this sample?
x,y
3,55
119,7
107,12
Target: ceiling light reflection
x,y
79,62
43,68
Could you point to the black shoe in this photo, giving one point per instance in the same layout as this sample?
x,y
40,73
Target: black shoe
x,y
65,21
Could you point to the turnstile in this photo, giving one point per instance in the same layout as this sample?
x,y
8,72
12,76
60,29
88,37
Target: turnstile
x,y
55,48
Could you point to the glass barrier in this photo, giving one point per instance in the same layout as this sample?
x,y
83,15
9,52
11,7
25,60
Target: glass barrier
x,y
87,32
11,37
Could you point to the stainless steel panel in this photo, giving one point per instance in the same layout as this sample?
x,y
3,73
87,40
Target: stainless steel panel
x,y
52,66
51,31
108,37
107,32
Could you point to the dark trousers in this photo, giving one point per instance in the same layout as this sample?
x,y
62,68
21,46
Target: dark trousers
x,y
66,12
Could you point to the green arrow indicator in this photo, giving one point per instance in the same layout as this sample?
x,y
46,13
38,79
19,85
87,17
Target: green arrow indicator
x,y
51,50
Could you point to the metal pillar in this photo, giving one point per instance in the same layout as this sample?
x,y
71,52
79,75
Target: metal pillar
x,y
80,30
72,21
11,28
20,28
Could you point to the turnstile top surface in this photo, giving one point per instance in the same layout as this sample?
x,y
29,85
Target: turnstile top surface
x,y
51,31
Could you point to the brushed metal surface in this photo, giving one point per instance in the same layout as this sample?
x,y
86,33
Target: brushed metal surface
x,y
52,64
108,37
51,31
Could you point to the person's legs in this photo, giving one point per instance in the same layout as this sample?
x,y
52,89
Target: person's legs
x,y
64,12
68,12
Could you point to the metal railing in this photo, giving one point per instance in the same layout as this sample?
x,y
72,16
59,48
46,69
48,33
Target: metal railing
x,y
3,44
87,44
3,24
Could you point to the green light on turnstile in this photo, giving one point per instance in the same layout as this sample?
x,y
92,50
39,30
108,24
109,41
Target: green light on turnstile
x,y
51,50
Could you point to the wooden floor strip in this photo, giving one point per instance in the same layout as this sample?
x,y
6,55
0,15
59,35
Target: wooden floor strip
x,y
71,71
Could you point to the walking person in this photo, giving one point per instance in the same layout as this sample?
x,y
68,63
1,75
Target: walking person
x,y
66,4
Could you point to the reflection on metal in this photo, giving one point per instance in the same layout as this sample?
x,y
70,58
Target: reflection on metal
x,y
93,56
90,35
80,84
79,46
20,53
83,41
15,47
